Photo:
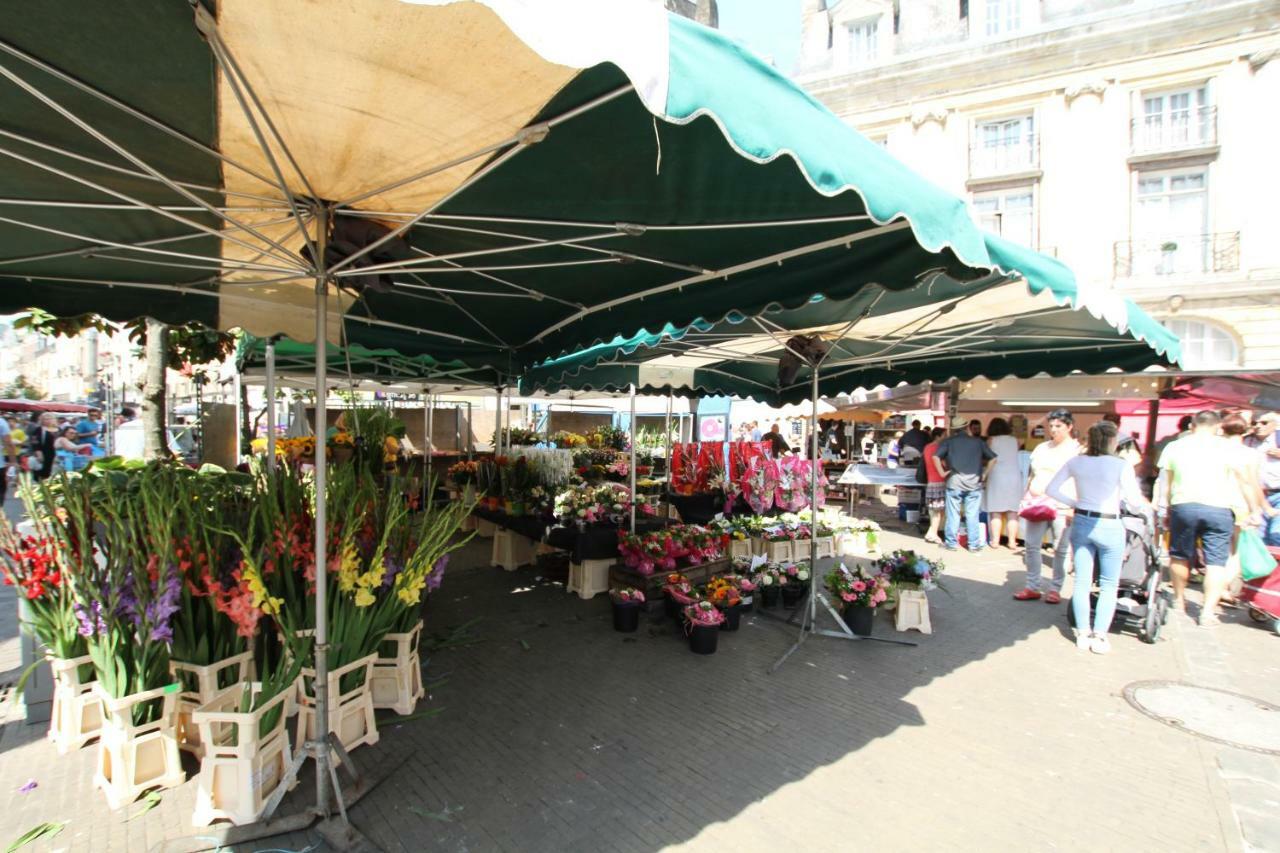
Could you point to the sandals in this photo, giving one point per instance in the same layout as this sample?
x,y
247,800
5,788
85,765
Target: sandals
x,y
1052,597
1026,595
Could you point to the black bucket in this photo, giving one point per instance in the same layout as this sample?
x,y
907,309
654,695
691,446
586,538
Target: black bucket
x,y
732,616
859,619
626,617
703,639
791,594
769,596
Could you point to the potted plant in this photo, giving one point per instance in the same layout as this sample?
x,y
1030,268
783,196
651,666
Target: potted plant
x,y
795,577
702,623
724,594
626,608
673,579
770,583
860,592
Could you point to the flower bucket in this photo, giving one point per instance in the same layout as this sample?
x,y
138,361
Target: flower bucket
x,y
350,713
133,758
200,684
241,767
791,594
732,618
76,718
769,595
626,616
397,673
859,619
703,639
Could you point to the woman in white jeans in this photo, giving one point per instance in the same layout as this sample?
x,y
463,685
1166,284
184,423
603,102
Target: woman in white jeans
x,y
1102,480
1046,460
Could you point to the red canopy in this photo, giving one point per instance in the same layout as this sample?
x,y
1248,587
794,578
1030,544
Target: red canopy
x,y
41,406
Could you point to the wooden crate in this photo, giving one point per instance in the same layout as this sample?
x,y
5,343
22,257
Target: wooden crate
x,y
651,585
206,681
397,680
136,758
76,718
241,768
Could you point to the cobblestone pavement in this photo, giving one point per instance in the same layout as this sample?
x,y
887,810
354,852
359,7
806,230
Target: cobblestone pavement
x,y
556,733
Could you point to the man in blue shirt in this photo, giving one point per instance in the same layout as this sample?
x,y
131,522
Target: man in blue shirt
x,y
89,427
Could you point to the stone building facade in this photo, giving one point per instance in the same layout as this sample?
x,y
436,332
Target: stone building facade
x,y
1132,139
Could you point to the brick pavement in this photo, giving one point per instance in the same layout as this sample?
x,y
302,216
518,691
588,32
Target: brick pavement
x,y
994,733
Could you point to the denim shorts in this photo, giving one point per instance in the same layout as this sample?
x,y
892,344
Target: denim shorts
x,y
1212,525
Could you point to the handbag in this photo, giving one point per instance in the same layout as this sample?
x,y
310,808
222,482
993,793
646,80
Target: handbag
x,y
1037,508
1255,560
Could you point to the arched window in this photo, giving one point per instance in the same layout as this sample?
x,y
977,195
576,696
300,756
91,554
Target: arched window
x,y
1205,344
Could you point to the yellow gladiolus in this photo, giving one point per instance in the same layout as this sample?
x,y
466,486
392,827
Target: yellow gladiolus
x,y
364,598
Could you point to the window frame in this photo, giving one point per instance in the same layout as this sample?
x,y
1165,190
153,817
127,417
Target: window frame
x,y
1001,194
1192,358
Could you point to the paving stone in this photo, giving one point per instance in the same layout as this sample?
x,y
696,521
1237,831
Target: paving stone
x,y
1238,764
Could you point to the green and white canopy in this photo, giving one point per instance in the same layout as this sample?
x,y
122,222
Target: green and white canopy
x,y
997,327
554,174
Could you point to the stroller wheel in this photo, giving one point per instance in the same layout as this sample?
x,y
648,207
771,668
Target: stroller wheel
x,y
1154,622
1258,615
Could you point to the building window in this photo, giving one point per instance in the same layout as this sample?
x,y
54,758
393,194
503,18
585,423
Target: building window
x,y
1010,213
1003,17
863,41
1204,344
1175,119
1171,222
1003,147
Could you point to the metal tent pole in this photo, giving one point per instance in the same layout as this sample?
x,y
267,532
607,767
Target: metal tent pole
x,y
667,438
632,430
321,742
429,446
271,404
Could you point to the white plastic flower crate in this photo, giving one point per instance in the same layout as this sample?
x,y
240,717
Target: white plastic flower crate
x,y
350,713
913,611
241,767
740,548
778,552
589,578
133,758
76,718
206,680
397,680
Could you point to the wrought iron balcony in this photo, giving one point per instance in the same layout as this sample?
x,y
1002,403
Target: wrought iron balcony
x,y
1176,131
993,157
1178,255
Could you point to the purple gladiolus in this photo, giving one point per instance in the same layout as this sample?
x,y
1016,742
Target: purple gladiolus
x,y
160,612
436,576
392,567
90,619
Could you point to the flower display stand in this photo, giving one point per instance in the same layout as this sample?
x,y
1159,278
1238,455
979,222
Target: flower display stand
x,y
470,522
241,767
205,680
485,529
589,578
740,548
801,549
913,611
778,552
350,713
397,679
826,546
511,550
854,544
76,717
135,758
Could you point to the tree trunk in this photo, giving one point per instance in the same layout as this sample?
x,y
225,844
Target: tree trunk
x,y
155,434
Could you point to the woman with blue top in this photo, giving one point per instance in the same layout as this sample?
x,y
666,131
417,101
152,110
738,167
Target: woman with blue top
x,y
1102,480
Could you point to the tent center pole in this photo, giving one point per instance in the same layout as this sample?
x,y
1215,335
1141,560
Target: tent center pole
x,y
667,462
271,404
321,743
632,429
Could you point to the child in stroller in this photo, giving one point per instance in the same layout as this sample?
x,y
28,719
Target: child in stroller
x,y
1140,602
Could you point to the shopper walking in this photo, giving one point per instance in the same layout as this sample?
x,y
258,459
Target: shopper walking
x,y
1266,440
42,442
1046,460
935,490
1102,480
1202,479
965,460
1004,485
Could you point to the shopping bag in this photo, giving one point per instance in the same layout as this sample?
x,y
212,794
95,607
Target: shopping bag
x,y
1255,560
1037,508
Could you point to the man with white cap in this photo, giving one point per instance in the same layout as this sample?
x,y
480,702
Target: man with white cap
x,y
965,461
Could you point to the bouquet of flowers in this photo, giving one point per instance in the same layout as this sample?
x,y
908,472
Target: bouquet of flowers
x,y
644,552
515,478
548,466
619,468
462,473
722,592
564,438
579,503
779,533
681,593
857,586
627,595
760,483
608,438
911,570
770,575
703,613
30,563
795,573
342,439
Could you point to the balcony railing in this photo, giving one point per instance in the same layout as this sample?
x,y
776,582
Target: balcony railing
x,y
1178,255
994,157
1175,131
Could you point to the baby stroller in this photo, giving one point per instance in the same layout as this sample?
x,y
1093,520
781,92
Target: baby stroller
x,y
1140,602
